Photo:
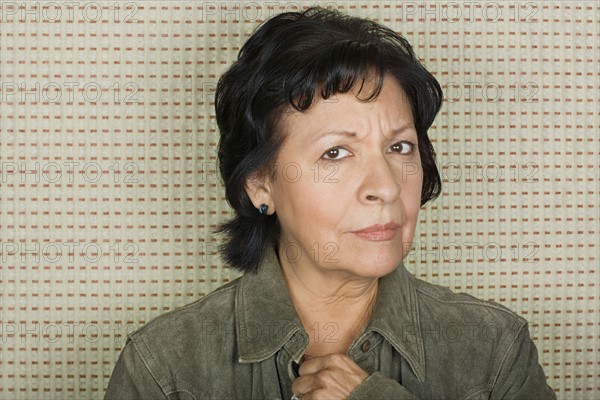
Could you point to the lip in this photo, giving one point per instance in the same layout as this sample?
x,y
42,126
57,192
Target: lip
x,y
378,232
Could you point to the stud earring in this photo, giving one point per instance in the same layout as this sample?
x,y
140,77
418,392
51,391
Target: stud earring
x,y
263,208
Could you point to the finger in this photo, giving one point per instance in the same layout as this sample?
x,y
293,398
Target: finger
x,y
329,383
316,364
312,365
303,385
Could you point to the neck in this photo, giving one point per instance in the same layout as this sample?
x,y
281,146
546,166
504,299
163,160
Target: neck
x,y
333,306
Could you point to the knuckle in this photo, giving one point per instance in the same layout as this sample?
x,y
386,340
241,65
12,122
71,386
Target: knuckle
x,y
335,358
320,394
320,379
325,376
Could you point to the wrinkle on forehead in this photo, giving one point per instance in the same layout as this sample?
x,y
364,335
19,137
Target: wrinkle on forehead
x,y
389,117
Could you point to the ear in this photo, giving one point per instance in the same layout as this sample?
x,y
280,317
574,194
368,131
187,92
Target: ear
x,y
259,189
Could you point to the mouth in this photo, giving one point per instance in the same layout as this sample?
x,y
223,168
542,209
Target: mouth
x,y
377,232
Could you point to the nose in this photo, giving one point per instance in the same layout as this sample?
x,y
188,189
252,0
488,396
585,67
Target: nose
x,y
381,183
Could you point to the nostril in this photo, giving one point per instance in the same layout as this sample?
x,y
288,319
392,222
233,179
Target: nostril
x,y
369,197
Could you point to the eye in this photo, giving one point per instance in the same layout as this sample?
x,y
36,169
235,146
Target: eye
x,y
335,153
403,147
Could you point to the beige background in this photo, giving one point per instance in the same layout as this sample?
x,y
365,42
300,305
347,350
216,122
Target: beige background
x,y
109,192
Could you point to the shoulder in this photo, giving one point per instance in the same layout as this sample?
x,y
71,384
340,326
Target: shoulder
x,y
463,333
201,319
177,352
442,304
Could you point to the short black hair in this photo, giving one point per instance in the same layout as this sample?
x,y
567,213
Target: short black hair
x,y
285,61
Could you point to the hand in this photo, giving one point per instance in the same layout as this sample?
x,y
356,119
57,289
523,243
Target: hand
x,y
333,376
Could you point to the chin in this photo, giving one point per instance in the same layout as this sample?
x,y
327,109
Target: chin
x,y
380,264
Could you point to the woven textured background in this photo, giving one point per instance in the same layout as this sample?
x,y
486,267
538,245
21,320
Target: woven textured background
x,y
109,189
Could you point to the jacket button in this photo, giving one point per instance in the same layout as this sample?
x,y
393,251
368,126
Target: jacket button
x,y
365,346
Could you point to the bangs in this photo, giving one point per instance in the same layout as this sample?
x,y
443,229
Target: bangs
x,y
335,69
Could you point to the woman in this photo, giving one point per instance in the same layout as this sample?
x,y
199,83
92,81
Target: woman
x,y
326,161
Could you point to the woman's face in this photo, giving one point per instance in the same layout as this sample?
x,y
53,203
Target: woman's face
x,y
346,166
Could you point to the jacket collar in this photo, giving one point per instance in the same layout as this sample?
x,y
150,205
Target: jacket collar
x,y
266,319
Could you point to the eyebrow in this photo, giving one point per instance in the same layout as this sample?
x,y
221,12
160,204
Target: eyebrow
x,y
352,134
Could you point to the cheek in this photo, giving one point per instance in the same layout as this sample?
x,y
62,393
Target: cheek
x,y
411,200
311,211
412,187
301,202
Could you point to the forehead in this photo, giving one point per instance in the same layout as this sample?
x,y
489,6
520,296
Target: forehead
x,y
390,107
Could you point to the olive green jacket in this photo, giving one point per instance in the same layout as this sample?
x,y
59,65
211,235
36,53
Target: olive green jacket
x,y
243,341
